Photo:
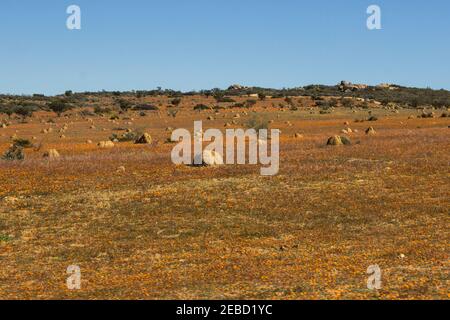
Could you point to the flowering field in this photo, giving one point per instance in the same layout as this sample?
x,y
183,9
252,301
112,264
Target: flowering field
x,y
140,227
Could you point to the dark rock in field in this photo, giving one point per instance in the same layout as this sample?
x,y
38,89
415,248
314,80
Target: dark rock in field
x,y
144,139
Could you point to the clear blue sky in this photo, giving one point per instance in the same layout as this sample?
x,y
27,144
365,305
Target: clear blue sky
x,y
201,44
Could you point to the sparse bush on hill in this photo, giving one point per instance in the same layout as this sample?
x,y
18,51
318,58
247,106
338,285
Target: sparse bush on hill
x,y
257,123
59,106
145,107
99,110
7,109
176,101
124,104
347,103
200,107
24,111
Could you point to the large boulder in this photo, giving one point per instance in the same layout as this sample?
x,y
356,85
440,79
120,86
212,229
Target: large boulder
x,y
144,139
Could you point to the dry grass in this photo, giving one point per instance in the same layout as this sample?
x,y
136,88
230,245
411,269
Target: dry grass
x,y
157,231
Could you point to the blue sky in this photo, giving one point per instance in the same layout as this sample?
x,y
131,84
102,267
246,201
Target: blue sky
x,y
201,44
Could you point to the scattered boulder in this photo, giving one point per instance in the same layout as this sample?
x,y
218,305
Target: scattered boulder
x,y
338,141
370,131
298,136
51,154
144,139
106,144
334,141
121,169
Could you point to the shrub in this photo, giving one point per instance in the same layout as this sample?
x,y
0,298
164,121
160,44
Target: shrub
x,y
126,137
172,112
100,110
8,110
14,153
176,101
24,112
200,107
225,99
59,106
257,123
146,107
250,103
23,143
124,104
347,103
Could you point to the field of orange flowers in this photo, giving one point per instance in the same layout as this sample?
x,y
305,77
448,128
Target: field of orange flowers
x,y
140,227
